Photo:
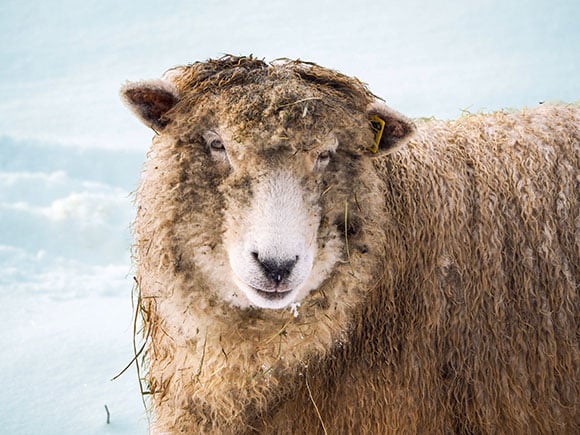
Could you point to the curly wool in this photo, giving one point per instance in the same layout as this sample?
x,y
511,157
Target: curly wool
x,y
474,327
456,310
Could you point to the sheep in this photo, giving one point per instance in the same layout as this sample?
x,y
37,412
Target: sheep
x,y
311,261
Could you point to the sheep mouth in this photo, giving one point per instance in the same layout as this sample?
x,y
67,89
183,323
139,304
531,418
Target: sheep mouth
x,y
272,295
264,297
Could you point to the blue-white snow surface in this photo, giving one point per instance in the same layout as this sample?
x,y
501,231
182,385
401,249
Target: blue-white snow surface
x,y
65,290
70,154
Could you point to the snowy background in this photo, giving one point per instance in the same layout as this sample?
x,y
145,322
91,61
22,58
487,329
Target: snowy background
x,y
70,154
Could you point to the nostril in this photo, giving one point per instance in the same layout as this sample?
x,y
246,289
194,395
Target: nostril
x,y
275,270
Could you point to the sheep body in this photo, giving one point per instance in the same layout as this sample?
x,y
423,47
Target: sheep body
x,y
453,308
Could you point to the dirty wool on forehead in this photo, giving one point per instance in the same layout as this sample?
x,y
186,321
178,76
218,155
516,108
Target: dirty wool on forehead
x,y
255,97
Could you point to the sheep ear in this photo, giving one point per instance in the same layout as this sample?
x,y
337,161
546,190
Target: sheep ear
x,y
392,130
150,101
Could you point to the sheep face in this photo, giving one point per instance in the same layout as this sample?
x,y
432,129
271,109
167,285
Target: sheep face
x,y
277,251
260,178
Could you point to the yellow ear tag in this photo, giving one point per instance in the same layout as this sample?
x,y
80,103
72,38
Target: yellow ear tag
x,y
378,127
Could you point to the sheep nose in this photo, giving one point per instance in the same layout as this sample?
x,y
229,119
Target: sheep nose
x,y
275,270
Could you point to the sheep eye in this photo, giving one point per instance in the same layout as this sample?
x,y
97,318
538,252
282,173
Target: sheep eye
x,y
322,160
324,156
217,145
214,142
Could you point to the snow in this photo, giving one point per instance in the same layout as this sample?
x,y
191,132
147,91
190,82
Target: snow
x,y
70,153
65,290
57,363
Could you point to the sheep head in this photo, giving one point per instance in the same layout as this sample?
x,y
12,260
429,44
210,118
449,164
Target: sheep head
x,y
255,163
